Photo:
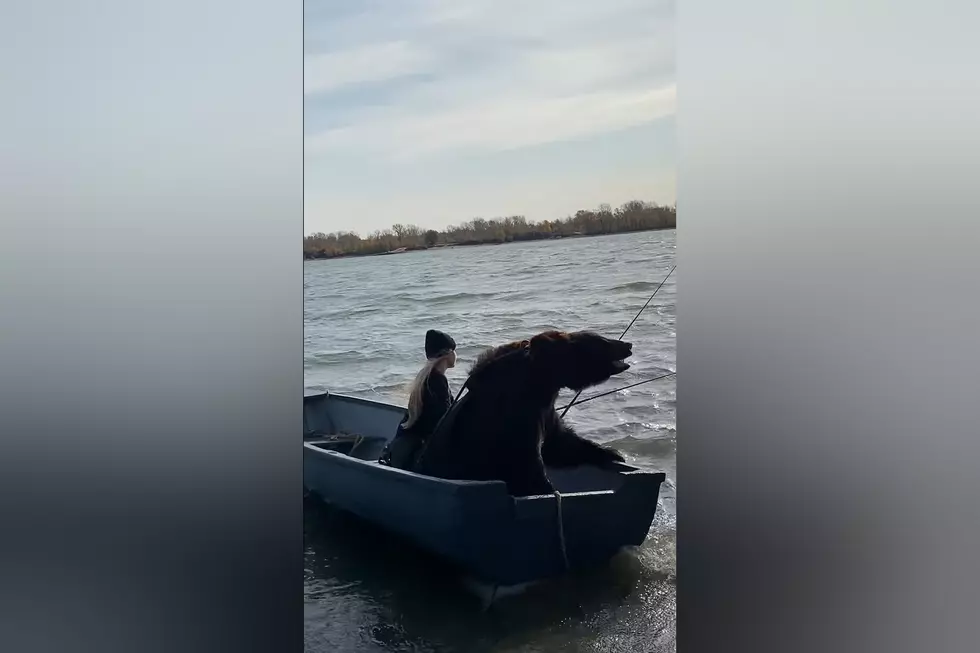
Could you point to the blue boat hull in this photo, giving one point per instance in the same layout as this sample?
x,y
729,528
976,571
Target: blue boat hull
x,y
476,525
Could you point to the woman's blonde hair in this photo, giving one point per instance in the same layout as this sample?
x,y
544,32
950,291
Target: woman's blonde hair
x,y
417,389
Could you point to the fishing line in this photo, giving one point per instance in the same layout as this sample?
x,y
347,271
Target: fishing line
x,y
625,387
621,336
625,330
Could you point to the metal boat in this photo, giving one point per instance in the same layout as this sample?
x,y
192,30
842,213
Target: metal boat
x,y
492,536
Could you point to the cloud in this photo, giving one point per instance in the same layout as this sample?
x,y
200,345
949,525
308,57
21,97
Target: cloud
x,y
498,125
374,62
471,76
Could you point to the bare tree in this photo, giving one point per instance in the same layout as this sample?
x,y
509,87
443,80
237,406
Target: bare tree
x,y
635,215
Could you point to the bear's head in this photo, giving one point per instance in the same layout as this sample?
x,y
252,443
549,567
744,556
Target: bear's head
x,y
577,360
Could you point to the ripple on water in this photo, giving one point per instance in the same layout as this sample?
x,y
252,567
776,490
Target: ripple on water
x,y
339,358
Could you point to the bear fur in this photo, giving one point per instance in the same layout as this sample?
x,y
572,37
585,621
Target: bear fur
x,y
506,427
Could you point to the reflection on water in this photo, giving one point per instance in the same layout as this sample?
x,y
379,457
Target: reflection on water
x,y
368,591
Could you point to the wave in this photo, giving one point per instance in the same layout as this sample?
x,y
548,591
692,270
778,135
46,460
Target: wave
x,y
394,396
335,358
392,390
365,320
313,317
636,286
662,446
447,298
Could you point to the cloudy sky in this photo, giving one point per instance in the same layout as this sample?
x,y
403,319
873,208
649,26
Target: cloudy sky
x,y
433,112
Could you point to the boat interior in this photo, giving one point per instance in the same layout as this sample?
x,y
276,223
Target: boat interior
x,y
355,446
361,428
354,427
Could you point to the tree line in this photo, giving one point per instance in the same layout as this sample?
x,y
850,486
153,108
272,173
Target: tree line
x,y
631,216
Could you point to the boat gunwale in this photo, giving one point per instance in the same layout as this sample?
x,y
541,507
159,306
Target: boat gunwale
x,y
402,475
356,400
626,471
453,485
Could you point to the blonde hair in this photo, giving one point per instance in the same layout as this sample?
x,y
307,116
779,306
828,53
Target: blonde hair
x,y
417,390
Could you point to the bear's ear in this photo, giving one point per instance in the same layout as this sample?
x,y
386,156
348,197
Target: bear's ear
x,y
546,347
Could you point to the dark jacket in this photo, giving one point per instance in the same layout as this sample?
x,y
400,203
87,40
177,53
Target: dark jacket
x,y
408,442
436,401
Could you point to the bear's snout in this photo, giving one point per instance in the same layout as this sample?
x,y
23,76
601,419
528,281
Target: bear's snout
x,y
619,352
623,350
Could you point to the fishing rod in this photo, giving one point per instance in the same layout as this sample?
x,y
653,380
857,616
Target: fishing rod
x,y
625,387
572,402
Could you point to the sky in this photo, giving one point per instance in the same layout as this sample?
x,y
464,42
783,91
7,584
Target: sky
x,y
434,112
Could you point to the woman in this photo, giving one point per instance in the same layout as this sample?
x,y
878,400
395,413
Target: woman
x,y
428,400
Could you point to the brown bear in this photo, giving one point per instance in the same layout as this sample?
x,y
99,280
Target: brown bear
x,y
506,427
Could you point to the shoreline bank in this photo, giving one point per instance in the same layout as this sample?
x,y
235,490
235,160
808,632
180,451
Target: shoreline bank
x,y
317,256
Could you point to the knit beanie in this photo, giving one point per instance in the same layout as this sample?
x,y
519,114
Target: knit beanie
x,y
437,343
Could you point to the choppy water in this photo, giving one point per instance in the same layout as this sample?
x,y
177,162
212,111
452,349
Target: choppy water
x,y
364,328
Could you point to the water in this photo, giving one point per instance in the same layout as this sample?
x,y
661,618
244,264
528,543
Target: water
x,y
364,329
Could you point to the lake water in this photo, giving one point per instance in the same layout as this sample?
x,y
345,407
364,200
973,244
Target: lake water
x,y
365,321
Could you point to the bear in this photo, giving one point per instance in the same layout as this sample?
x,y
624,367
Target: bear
x,y
506,427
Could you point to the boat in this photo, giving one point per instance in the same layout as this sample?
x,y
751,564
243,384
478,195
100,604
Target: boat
x,y
493,537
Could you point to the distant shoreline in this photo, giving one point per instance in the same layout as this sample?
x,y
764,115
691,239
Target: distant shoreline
x,y
632,217
423,248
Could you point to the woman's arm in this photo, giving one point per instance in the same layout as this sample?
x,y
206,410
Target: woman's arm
x,y
436,402
439,393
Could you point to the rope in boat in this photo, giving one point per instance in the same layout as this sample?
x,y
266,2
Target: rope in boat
x,y
573,402
561,545
493,595
357,441
561,531
561,524
627,329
